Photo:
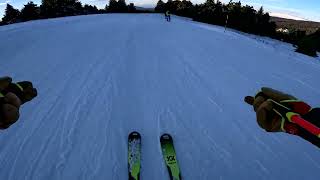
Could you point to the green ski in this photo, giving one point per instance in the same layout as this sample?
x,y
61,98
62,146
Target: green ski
x,y
134,155
170,158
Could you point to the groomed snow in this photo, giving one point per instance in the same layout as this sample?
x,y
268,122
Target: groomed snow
x,y
100,77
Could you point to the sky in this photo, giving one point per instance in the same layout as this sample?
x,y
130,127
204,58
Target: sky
x,y
293,9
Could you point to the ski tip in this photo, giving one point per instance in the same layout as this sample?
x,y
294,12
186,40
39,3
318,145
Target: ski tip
x,y
134,134
165,137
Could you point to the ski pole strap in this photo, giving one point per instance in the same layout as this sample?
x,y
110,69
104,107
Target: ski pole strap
x,y
287,115
297,106
20,87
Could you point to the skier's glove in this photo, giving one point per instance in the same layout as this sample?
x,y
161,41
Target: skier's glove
x,y
277,111
12,96
4,82
9,104
9,110
268,105
24,90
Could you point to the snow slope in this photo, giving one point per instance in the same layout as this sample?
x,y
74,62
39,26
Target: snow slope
x,y
101,76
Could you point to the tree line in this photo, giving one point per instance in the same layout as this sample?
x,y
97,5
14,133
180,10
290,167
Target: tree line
x,y
233,15
243,18
61,8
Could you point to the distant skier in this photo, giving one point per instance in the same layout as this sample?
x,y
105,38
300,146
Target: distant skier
x,y
12,96
168,16
280,112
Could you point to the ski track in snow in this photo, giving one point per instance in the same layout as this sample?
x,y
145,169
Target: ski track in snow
x,y
100,77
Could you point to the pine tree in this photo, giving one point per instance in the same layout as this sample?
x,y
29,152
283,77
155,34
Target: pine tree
x,y
160,6
169,6
89,9
131,8
11,15
185,8
310,44
113,6
68,7
122,5
48,8
210,3
78,9
30,11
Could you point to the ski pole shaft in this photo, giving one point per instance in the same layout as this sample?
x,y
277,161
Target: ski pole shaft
x,y
295,118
